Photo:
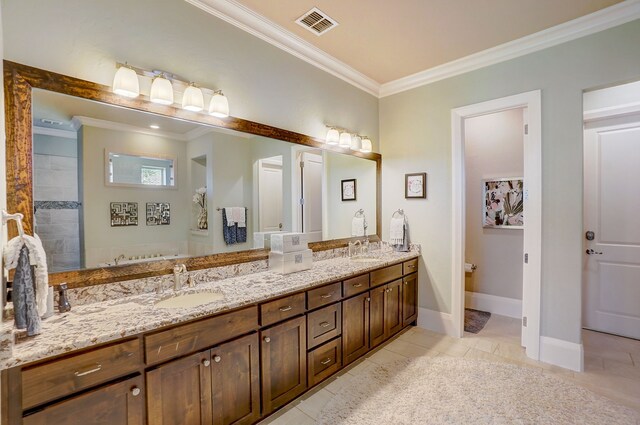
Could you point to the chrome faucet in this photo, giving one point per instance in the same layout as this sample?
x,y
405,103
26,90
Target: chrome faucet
x,y
120,257
354,250
178,271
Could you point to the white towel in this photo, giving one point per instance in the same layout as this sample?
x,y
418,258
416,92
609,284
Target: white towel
x,y
357,226
238,216
37,258
228,212
396,231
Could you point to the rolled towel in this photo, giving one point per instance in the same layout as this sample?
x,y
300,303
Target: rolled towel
x,y
396,231
357,226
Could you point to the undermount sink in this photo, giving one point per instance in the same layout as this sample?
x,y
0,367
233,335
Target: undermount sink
x,y
365,260
191,300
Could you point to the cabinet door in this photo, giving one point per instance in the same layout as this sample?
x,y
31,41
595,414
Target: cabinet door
x,y
355,327
179,392
393,308
409,299
377,316
284,363
236,381
121,403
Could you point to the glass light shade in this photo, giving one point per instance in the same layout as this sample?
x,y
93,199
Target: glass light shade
x,y
219,106
345,140
366,145
125,82
192,99
356,143
161,91
333,137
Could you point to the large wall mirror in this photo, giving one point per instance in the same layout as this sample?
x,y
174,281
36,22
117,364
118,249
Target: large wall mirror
x,y
123,188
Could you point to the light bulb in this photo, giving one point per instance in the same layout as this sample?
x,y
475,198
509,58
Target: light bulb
x,y
333,137
219,106
192,99
161,91
125,82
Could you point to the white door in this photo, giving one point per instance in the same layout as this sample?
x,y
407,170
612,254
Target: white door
x,y
311,184
270,194
611,300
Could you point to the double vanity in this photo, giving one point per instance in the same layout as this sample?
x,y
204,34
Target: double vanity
x,y
241,348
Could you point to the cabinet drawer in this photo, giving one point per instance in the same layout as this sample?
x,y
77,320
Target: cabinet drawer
x,y
323,296
324,324
355,285
410,266
385,275
198,335
324,361
278,310
59,378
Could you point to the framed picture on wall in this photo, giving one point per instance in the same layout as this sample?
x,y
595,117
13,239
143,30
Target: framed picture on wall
x,y
415,186
158,214
124,214
503,203
348,190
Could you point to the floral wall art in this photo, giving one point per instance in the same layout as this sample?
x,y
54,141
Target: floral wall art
x,y
503,203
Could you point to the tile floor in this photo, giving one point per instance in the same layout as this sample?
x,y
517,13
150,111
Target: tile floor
x,y
612,364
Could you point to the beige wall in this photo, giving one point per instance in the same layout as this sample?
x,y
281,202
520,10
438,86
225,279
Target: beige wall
x,y
415,128
493,148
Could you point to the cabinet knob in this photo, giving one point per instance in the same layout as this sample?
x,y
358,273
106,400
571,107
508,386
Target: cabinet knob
x,y
267,339
206,363
217,359
368,299
390,289
135,391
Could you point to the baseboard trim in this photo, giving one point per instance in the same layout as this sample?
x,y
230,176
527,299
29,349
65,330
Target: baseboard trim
x,y
562,353
436,321
503,306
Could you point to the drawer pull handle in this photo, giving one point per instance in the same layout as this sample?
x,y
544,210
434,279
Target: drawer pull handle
x,y
412,266
135,391
267,339
88,372
329,295
326,362
357,285
217,359
324,324
287,308
206,363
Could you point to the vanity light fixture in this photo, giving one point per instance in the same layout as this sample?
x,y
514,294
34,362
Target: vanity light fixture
x,y
366,145
161,91
125,82
333,136
345,140
192,99
219,106
356,142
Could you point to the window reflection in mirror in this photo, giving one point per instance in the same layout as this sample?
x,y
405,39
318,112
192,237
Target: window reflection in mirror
x,y
114,185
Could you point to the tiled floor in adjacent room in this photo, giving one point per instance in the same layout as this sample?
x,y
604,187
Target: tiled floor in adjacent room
x,y
612,364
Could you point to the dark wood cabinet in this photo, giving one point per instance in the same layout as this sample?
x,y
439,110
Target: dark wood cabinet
x,y
376,316
386,312
283,363
235,371
121,403
355,327
179,392
409,299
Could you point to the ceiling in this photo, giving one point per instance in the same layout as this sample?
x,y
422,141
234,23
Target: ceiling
x,y
386,40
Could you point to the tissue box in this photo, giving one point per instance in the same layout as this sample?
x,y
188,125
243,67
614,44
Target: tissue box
x,y
290,262
289,242
263,239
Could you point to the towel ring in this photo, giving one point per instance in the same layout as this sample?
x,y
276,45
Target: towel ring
x,y
399,211
359,213
17,217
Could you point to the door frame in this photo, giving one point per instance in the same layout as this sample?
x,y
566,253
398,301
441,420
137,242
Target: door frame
x,y
532,271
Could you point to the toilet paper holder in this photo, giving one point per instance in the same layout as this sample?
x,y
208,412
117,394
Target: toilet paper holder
x,y
470,268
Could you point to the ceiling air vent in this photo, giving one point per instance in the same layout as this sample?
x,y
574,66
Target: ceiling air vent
x,y
316,21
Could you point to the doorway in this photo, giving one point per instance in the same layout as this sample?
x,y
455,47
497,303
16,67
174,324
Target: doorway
x,y
310,176
270,186
530,102
611,273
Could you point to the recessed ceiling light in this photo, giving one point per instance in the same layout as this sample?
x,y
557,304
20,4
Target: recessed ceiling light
x,y
154,126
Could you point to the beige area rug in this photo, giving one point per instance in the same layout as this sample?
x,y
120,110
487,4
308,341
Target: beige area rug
x,y
460,391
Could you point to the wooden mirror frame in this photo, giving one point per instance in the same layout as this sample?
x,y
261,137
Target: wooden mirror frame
x,y
19,80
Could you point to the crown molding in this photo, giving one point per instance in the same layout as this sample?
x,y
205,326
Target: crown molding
x,y
601,20
247,20
79,121
55,132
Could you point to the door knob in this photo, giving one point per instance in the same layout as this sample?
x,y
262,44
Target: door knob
x,y
592,252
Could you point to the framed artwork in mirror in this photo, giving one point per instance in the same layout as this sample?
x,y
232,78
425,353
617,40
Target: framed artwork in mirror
x,y
415,186
348,190
158,214
124,214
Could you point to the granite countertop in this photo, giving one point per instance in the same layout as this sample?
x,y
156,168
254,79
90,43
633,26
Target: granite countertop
x,y
102,322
